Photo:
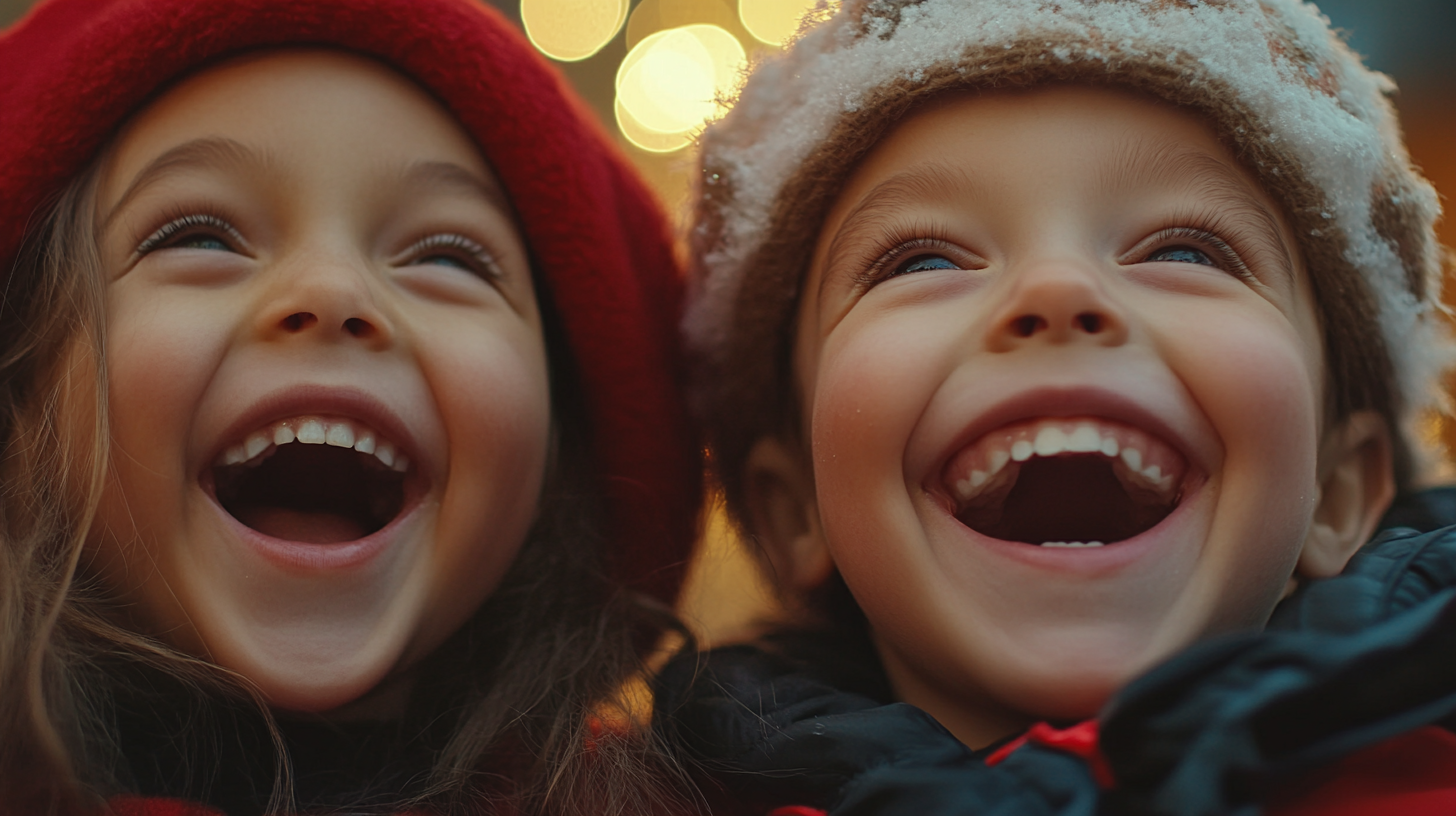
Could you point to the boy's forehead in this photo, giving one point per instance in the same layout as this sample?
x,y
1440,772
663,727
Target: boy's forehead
x,y
953,148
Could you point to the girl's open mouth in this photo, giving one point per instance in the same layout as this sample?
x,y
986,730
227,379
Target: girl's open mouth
x,y
1065,482
314,480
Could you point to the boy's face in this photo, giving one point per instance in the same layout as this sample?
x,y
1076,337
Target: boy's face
x,y
327,380
1062,384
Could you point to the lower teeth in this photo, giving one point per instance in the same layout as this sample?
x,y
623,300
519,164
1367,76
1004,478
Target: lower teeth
x,y
1071,544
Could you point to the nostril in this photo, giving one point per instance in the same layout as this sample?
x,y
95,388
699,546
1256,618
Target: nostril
x,y
298,321
1027,325
1090,322
357,327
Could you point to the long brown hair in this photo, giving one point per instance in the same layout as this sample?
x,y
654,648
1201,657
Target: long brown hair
x,y
520,693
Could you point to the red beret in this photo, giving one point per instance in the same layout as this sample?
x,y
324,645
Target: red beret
x,y
72,71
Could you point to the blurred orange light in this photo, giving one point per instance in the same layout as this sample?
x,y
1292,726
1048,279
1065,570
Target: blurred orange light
x,y
571,30
670,82
773,21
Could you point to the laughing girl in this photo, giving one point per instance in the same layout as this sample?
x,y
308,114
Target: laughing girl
x,y
342,462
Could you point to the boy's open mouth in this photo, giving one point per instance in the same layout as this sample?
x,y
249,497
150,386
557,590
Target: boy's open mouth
x,y
1065,482
312,479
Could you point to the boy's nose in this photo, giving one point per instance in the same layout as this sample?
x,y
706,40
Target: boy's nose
x,y
330,299
1057,303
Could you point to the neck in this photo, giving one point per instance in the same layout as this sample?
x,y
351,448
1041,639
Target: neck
x,y
973,717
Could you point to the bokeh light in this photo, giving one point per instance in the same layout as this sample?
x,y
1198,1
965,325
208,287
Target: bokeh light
x,y
650,140
651,16
571,30
773,21
671,81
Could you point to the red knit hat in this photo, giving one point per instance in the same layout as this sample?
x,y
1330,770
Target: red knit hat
x,y
73,71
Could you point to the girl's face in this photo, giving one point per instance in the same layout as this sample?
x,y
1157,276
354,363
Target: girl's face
x,y
327,379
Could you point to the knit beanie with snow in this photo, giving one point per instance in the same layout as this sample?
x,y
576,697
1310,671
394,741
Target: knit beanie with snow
x,y
1282,91
73,71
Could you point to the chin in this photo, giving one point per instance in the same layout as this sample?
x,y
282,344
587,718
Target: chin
x,y
1067,688
311,686
307,665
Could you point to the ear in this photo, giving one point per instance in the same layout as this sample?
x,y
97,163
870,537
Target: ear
x,y
1357,483
784,514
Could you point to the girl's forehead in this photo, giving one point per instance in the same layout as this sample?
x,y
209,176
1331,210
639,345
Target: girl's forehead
x,y
300,107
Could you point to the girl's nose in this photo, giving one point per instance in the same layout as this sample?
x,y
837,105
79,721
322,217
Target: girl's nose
x,y
330,299
1057,302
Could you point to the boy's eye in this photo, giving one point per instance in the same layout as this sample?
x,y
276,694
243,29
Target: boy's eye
x,y
455,251
896,256
194,231
1187,245
923,263
1181,254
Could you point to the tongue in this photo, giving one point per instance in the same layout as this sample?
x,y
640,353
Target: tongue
x,y
310,527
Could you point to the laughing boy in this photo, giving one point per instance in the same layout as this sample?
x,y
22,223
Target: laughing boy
x,y
1042,343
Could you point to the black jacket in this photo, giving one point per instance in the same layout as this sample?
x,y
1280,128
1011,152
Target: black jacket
x,y
808,718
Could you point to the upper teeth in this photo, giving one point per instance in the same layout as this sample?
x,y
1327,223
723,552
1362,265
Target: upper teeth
x,y
1052,439
312,430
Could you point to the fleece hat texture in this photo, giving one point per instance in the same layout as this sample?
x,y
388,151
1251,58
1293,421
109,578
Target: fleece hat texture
x,y
73,71
1287,96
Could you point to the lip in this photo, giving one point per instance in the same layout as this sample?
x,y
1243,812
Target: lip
x,y
298,556
347,403
1065,403
1090,562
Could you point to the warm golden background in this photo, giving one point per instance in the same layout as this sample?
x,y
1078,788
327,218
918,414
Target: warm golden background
x,y
652,69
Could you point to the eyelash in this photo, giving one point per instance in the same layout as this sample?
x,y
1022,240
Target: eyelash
x,y
474,255
1221,253
183,225
894,252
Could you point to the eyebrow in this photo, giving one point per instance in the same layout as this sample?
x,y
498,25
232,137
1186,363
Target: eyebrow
x,y
216,150
888,198
448,175
209,151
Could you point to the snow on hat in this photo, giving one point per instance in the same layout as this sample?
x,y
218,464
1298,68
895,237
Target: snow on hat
x,y
74,70
1292,102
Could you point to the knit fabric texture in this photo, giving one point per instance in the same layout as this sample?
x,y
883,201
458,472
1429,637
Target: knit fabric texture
x,y
73,71
1279,88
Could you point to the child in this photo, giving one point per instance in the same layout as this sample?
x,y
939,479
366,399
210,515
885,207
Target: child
x,y
1041,342
343,462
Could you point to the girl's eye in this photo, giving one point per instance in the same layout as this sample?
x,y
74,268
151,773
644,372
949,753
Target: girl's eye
x,y
1181,254
201,242
195,231
452,250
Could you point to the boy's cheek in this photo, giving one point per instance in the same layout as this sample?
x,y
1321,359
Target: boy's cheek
x,y
861,408
1262,393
